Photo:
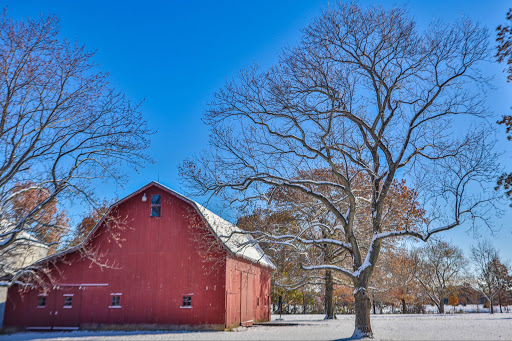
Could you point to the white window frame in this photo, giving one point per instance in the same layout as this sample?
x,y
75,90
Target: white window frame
x,y
41,306
115,306
68,306
186,306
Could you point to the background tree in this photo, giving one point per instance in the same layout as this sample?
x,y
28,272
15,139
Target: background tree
x,y
504,55
453,300
363,92
400,268
502,273
491,274
290,275
440,270
344,299
504,40
49,224
293,214
86,225
63,128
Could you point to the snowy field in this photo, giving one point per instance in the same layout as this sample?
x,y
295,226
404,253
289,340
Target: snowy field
x,y
312,327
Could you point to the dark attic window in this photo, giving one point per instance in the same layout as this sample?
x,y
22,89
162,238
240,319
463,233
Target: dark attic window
x,y
155,205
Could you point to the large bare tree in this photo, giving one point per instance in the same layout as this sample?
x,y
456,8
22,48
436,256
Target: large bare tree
x,y
63,130
363,92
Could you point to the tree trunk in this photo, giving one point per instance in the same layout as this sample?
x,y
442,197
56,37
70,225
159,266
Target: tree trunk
x,y
499,300
363,303
441,305
303,302
492,306
404,307
374,307
329,291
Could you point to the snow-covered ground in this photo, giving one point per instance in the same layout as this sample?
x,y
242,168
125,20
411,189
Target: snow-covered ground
x,y
432,309
470,308
313,327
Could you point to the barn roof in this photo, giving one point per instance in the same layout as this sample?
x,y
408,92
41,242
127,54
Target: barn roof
x,y
236,241
234,238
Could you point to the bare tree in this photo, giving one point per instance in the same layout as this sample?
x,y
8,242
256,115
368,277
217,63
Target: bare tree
x,y
364,92
440,270
490,278
63,129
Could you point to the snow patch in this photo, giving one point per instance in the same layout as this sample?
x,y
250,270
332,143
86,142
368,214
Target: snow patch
x,y
359,334
357,290
363,267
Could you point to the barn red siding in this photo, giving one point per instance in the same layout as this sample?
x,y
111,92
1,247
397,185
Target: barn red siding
x,y
155,263
247,293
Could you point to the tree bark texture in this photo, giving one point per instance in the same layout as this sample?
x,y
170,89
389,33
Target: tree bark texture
x,y
363,328
329,293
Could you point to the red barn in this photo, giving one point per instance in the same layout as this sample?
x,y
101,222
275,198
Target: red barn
x,y
160,261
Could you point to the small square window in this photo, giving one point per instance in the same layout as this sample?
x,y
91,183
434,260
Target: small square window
x,y
187,301
116,301
41,301
155,205
68,301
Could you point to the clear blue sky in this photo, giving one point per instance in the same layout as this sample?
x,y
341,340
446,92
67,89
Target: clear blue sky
x,y
175,54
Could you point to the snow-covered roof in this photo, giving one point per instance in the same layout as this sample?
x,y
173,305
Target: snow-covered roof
x,y
30,239
234,238
7,228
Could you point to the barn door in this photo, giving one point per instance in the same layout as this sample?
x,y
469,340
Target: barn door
x,y
246,299
41,309
67,306
243,298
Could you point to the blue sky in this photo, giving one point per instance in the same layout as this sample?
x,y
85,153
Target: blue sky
x,y
175,54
